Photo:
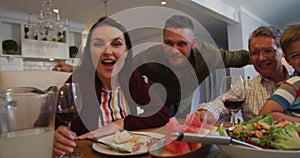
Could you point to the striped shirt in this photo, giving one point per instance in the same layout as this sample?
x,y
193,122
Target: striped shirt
x,y
113,106
288,94
258,90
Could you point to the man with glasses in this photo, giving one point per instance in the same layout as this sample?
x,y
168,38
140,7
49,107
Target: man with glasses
x,y
284,103
267,52
266,57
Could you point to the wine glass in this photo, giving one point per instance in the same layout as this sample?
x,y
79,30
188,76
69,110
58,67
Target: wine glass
x,y
233,93
69,105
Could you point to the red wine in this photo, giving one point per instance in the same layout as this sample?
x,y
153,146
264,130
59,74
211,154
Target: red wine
x,y
67,115
233,104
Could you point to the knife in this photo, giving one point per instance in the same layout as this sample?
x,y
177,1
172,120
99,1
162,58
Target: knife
x,y
121,150
212,139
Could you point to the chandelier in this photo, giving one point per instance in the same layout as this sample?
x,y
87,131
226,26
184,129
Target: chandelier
x,y
48,26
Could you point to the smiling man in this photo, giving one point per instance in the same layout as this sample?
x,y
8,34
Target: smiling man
x,y
183,62
266,57
178,45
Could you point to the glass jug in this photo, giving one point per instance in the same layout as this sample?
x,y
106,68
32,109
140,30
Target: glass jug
x,y
27,121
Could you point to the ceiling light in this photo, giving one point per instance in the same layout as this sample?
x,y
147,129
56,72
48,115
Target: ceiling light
x,y
105,3
48,26
56,10
163,2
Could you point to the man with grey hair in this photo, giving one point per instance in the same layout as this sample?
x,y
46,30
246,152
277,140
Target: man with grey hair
x,y
266,57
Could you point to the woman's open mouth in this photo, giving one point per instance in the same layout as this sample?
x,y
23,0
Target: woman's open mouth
x,y
108,63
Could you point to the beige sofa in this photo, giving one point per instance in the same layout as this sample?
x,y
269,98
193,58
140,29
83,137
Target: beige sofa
x,y
37,79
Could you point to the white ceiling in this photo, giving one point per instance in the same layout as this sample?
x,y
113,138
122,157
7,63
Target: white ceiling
x,y
276,12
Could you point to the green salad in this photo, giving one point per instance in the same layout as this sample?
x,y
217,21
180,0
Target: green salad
x,y
263,131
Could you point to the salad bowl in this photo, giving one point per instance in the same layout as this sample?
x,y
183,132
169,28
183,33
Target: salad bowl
x,y
277,139
238,151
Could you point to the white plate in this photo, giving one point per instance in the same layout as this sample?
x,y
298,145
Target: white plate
x,y
109,139
237,151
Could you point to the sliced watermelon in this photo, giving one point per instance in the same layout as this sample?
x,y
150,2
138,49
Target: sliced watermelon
x,y
192,125
173,125
194,146
192,120
192,129
176,147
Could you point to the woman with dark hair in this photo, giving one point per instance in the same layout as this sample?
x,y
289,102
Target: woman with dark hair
x,y
111,94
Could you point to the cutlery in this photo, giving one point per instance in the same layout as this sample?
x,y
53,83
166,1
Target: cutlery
x,y
119,149
212,139
142,134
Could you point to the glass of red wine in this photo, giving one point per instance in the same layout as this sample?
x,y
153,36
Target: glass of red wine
x,y
233,93
69,105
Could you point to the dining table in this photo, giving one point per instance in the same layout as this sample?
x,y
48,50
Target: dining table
x,y
85,146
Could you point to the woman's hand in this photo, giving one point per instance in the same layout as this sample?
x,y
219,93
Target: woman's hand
x,y
109,129
64,140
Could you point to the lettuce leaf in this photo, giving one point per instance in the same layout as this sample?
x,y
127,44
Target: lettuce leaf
x,y
267,119
286,138
249,124
222,131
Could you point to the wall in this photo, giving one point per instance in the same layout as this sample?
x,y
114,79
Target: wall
x,y
11,23
8,63
238,35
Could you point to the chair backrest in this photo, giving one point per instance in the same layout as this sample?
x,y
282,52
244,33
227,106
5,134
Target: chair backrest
x,y
38,79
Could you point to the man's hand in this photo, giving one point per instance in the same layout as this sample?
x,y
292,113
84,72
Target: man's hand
x,y
205,116
62,66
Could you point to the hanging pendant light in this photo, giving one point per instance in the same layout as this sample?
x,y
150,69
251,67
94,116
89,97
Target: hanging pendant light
x,y
49,26
105,10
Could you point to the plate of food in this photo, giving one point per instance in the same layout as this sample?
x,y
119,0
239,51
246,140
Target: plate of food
x,y
135,142
276,138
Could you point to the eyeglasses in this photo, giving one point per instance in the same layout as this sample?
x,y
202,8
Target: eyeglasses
x,y
267,52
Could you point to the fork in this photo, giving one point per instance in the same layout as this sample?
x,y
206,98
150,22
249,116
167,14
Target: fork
x,y
141,134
